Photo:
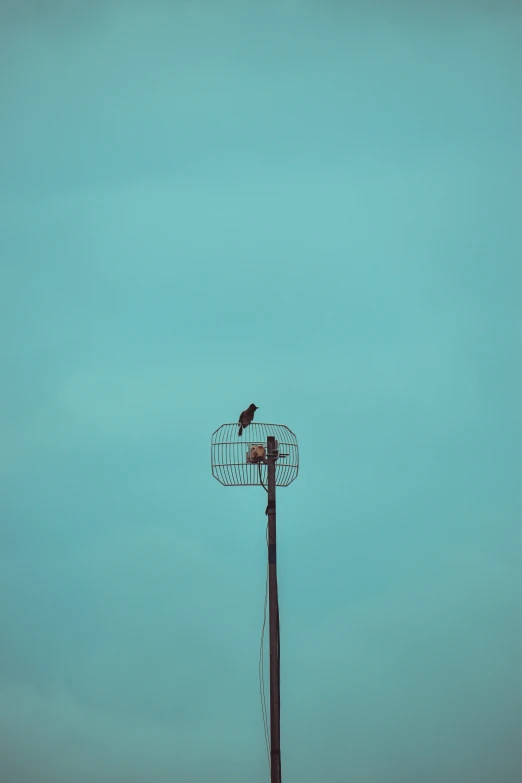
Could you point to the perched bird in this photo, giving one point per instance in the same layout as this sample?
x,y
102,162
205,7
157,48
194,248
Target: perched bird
x,y
246,418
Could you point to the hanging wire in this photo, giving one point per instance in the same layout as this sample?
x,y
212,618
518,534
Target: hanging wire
x,y
262,688
278,664
261,480
266,489
262,653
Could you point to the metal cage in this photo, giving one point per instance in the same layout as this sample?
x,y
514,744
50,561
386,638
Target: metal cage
x,y
231,460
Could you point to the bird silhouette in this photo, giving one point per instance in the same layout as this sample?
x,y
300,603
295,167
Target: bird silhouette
x,y
246,418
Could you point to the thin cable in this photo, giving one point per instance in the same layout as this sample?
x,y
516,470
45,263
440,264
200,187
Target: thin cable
x,y
266,489
260,479
278,665
262,670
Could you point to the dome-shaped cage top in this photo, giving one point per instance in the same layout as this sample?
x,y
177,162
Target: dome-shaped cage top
x,y
234,459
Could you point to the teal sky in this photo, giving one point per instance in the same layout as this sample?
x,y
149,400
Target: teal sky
x,y
313,205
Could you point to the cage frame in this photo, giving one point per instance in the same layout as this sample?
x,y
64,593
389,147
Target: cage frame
x,y
233,471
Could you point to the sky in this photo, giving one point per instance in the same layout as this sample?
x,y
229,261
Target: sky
x,y
312,205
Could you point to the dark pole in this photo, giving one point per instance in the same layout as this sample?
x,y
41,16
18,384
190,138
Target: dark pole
x,y
273,605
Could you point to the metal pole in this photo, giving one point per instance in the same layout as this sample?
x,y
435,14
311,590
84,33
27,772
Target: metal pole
x,y
273,606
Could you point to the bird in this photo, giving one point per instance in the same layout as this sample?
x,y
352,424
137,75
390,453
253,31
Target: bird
x,y
246,417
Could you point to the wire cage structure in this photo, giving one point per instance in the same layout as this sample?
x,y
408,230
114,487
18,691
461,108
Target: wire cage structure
x,y
241,461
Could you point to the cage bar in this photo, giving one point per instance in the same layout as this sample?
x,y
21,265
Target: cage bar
x,y
231,455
